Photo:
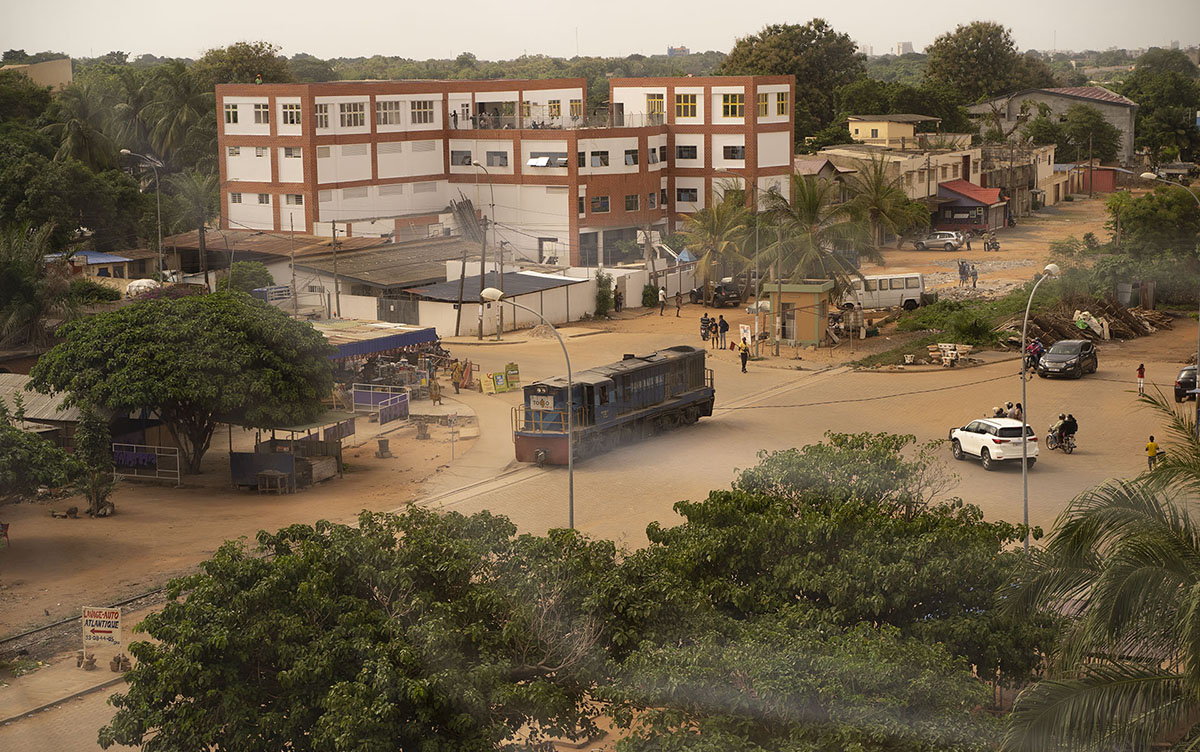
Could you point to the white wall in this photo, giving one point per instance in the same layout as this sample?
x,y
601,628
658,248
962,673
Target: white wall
x,y
335,114
251,214
479,149
344,163
689,139
774,149
291,169
406,112
290,216
772,91
616,155
251,163
701,105
719,142
689,206
403,159
718,104
287,129
245,124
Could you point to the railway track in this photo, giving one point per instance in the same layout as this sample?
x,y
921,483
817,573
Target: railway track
x,y
60,635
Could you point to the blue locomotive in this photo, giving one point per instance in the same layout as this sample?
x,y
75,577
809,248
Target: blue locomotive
x,y
614,404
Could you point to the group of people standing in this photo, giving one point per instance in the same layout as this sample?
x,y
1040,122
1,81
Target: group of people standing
x,y
714,331
967,274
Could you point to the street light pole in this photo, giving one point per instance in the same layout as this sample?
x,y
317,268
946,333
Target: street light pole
x,y
1152,176
499,250
1051,270
491,294
154,165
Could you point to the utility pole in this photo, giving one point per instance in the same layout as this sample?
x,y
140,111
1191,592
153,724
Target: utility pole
x,y
462,280
1091,169
482,268
337,290
295,303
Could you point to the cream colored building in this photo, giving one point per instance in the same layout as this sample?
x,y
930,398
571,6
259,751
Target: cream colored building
x,y
918,171
56,74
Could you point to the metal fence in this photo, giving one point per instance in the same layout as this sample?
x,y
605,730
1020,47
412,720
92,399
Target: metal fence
x,y
393,408
367,398
146,462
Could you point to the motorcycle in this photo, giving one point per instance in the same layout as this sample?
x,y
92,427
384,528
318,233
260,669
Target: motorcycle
x,y
991,244
1052,443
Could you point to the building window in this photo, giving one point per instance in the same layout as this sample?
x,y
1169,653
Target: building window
x,y
231,113
874,133
687,194
262,114
461,158
497,159
652,155
233,151
554,109
654,104
579,204
324,196
781,103
387,112
291,114
581,159
652,199
685,105
293,199
576,108
422,112
631,202
235,198
662,198
599,204
945,172
599,159
526,109
631,156
733,105
685,152
353,114
264,198
553,158
322,152
322,113
662,153
292,152
734,152
954,171
762,105
260,151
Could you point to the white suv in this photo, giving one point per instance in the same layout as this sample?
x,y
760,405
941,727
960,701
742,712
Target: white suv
x,y
949,241
993,440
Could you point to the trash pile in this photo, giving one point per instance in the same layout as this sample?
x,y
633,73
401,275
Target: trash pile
x,y
1103,320
541,331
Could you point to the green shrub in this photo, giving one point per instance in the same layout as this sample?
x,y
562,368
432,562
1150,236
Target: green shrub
x,y
649,296
604,293
86,292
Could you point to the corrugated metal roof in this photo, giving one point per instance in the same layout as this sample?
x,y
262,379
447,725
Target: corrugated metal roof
x,y
245,241
967,189
415,262
515,283
38,407
901,117
92,257
1098,93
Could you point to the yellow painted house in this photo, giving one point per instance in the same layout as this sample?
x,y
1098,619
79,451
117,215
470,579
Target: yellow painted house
x,y
887,130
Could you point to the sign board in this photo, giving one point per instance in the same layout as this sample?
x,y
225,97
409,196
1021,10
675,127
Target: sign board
x,y
744,331
541,402
512,375
101,626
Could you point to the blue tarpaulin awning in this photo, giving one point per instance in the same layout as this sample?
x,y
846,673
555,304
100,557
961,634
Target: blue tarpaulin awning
x,y
384,343
358,338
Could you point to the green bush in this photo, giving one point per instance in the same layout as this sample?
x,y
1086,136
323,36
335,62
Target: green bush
x,y
86,292
246,276
649,296
934,316
604,293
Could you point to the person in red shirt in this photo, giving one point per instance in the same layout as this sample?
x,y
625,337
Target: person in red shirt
x,y
1141,376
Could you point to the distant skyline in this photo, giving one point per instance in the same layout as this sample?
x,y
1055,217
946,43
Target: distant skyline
x,y
495,30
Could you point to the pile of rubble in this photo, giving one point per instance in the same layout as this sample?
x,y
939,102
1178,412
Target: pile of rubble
x,y
541,331
1101,320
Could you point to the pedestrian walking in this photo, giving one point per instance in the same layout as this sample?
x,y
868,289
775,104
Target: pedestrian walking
x,y
744,353
1141,376
456,372
974,276
662,300
722,328
968,240
618,300
1151,453
678,303
704,328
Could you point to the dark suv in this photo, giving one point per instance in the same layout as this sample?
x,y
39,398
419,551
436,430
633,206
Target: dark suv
x,y
1185,382
722,295
1068,357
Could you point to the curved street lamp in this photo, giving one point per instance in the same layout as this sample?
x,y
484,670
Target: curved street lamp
x,y
1051,270
154,164
492,295
499,250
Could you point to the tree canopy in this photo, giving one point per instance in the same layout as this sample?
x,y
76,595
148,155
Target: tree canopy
x,y
1081,131
980,60
195,361
1166,86
242,63
821,59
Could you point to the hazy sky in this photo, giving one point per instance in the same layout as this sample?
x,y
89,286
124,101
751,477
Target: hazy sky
x,y
494,29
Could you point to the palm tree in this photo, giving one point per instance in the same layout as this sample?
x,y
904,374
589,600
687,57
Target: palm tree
x,y
809,227
132,95
716,233
1123,565
32,291
180,104
197,193
79,113
882,197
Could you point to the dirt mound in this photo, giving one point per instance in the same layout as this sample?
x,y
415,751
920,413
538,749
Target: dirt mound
x,y
541,331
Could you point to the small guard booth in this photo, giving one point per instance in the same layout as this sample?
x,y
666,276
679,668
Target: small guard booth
x,y
293,457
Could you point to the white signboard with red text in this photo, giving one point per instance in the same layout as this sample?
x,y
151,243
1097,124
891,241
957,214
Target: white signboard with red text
x,y
101,626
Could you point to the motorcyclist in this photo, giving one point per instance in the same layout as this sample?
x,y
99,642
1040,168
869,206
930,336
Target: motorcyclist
x,y
1057,428
1033,353
1070,426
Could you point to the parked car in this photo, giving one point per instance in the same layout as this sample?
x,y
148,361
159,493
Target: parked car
x,y
1068,357
993,440
1185,382
906,289
946,240
722,295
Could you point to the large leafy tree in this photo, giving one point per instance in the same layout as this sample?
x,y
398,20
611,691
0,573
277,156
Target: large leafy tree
x,y
716,234
21,100
980,60
1081,130
821,59
242,63
870,96
27,461
195,361
181,103
1168,219
78,127
1166,86
417,631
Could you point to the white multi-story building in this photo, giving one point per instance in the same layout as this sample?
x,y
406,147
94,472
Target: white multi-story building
x,y
382,158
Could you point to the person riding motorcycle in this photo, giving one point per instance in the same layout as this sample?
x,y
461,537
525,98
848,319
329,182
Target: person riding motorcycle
x,y
1057,428
1033,353
1070,426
